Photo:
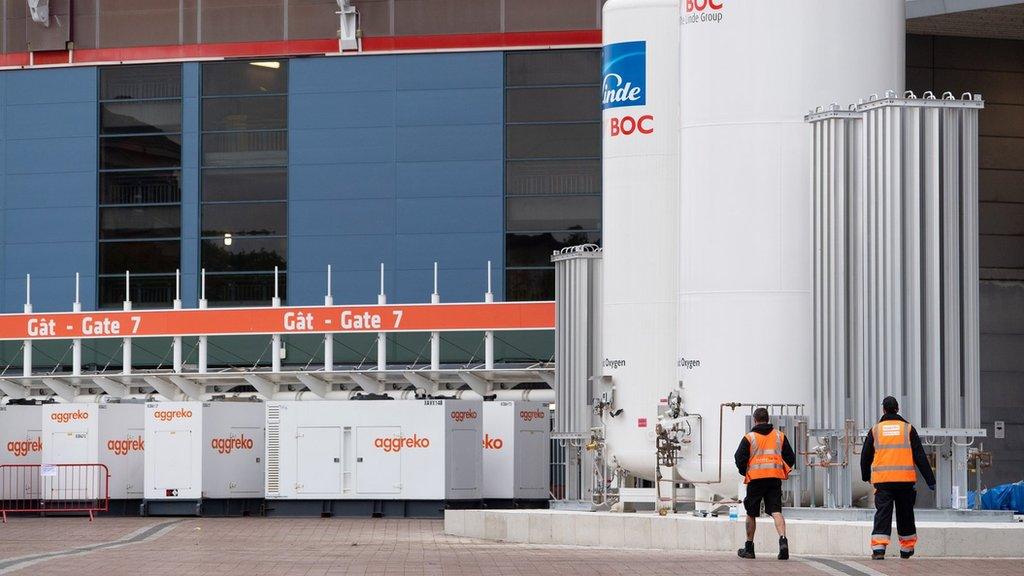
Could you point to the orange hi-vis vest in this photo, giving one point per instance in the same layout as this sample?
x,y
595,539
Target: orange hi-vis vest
x,y
766,457
894,459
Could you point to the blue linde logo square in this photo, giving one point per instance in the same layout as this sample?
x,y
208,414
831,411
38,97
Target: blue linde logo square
x,y
625,75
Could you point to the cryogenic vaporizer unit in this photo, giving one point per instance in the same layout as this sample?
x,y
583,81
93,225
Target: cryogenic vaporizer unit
x,y
372,450
203,451
516,451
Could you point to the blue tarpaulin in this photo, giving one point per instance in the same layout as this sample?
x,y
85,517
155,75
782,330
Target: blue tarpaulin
x,y
1002,497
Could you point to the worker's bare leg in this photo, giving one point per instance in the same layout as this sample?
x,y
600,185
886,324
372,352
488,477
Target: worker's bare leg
x,y
780,524
751,527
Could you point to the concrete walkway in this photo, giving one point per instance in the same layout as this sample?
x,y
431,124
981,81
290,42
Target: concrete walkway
x,y
687,533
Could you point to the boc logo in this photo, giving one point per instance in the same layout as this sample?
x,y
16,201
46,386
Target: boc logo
x,y
625,75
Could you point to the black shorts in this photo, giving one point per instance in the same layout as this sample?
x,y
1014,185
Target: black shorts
x,y
769,491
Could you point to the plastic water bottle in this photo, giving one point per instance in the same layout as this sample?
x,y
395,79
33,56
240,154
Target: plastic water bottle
x,y
734,513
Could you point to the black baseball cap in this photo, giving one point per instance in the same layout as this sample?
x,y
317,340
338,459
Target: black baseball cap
x,y
890,404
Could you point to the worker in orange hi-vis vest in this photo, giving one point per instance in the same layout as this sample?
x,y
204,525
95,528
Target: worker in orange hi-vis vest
x,y
764,458
890,460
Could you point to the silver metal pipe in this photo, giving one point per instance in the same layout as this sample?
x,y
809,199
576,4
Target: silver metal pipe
x,y
951,322
912,404
932,327
971,328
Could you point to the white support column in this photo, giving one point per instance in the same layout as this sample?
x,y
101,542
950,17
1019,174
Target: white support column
x,y
382,337
126,347
435,337
275,340
177,306
328,337
26,353
202,306
489,335
76,344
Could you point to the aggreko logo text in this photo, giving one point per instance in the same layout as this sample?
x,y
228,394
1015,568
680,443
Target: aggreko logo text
x,y
463,415
65,417
396,443
25,447
121,447
226,445
168,415
492,443
528,415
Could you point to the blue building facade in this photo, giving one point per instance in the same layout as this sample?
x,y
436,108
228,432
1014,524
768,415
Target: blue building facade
x,y
393,160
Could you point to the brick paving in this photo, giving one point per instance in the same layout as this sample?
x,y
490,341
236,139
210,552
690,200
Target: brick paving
x,y
334,546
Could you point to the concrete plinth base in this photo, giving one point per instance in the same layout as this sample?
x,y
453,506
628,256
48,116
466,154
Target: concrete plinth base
x,y
685,532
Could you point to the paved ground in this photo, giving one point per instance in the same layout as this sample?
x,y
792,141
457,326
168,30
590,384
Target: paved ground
x,y
316,547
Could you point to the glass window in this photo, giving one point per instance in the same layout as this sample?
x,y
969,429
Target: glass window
x,y
229,184
543,213
160,187
144,82
250,254
245,77
553,140
245,113
245,219
535,249
147,291
140,117
134,152
244,289
141,257
561,104
245,148
529,284
553,68
550,177
140,222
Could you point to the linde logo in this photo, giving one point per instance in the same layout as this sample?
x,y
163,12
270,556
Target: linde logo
x,y
492,443
396,443
463,415
65,417
703,11
530,415
168,415
23,448
121,447
625,75
226,445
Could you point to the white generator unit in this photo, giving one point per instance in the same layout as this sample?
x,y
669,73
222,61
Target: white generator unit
x,y
373,450
21,435
198,451
90,433
516,451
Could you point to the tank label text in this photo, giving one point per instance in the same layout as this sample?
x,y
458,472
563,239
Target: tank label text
x,y
65,417
25,447
703,11
625,75
613,364
122,447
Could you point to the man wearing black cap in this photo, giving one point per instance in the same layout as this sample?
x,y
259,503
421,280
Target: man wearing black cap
x,y
890,459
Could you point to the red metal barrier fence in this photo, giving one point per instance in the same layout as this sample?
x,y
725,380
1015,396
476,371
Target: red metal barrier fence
x,y
54,488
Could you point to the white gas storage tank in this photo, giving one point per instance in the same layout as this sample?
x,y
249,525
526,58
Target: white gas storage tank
x,y
751,70
92,433
640,101
204,457
321,452
516,451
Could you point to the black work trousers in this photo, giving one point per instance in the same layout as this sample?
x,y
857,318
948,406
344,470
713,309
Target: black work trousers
x,y
903,500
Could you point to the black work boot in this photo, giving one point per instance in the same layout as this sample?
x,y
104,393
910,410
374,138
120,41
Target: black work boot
x,y
904,554
783,548
747,551
878,555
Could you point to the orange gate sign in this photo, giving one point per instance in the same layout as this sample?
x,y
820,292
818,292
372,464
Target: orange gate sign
x,y
283,320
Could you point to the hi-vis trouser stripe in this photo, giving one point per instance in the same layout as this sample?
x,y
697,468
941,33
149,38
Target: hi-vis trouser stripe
x,y
907,543
879,542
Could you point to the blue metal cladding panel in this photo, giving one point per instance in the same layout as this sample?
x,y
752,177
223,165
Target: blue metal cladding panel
x,y
49,186
395,160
